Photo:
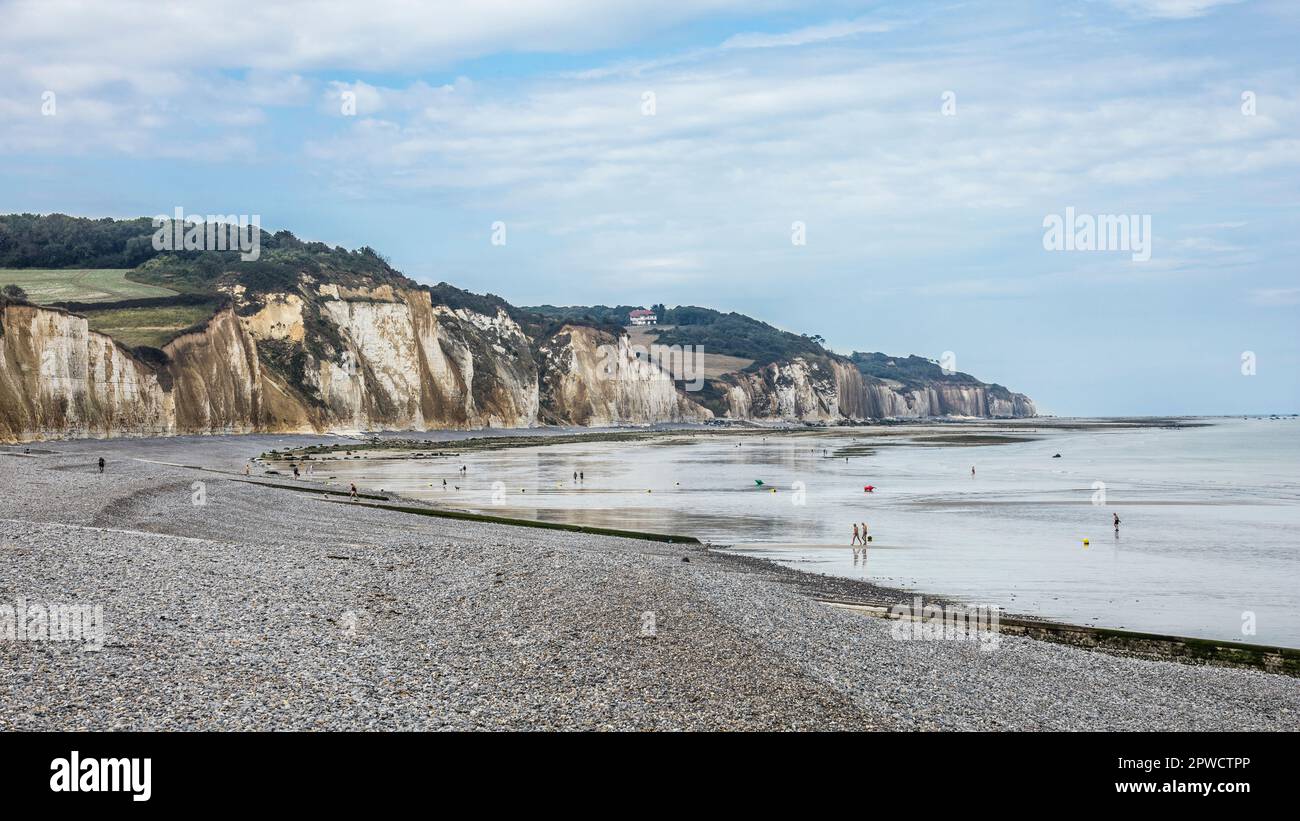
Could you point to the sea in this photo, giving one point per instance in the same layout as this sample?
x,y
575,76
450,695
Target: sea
x,y
1018,515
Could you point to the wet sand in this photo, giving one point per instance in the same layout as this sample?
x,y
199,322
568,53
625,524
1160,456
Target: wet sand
x,y
268,609
1209,507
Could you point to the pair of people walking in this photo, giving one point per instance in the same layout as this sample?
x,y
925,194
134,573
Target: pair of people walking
x,y
860,536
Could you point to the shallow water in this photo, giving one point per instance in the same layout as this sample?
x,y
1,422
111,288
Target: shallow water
x,y
1210,516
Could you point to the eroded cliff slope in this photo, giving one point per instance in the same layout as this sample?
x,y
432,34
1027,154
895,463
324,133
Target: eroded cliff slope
x,y
312,338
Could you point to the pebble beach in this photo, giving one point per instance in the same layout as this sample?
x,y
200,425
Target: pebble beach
x,y
230,605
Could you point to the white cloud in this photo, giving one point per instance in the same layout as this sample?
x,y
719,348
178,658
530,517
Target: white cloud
x,y
847,138
842,133
810,34
299,35
1172,9
1275,297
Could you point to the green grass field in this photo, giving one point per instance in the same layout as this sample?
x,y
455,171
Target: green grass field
x,y
154,327
44,286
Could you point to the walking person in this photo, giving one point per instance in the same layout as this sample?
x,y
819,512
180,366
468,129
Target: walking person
x,y
295,471
101,464
246,468
864,534
353,494
856,538
1116,515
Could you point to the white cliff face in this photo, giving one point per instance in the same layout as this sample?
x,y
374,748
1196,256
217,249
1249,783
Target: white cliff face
x,y
793,391
832,390
592,378
396,363
218,384
381,373
478,369
280,318
385,358
870,398
405,364
60,379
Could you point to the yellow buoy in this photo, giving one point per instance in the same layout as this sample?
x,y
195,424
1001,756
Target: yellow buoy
x,y
1085,542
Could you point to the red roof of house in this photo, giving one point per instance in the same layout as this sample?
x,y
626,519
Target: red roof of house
x,y
642,312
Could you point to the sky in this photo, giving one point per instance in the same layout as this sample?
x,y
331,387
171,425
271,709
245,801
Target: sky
x,y
877,173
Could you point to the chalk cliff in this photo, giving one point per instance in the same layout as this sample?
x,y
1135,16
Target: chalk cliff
x,y
392,359
591,377
374,359
829,390
57,377
317,339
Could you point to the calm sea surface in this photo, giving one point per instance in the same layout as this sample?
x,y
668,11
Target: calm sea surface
x,y
1209,541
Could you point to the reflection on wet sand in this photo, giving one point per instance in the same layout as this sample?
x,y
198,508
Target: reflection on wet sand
x,y
1209,522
